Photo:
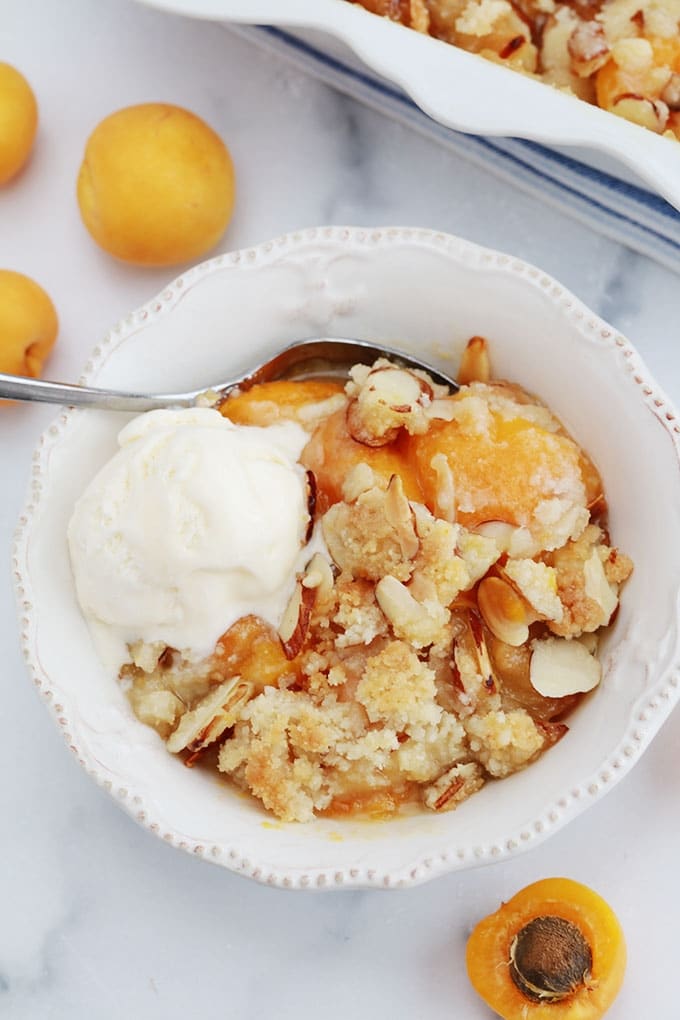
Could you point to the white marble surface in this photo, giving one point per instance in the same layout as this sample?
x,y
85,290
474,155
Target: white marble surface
x,y
99,919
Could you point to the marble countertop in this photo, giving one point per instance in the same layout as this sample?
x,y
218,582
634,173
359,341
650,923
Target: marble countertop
x,y
99,919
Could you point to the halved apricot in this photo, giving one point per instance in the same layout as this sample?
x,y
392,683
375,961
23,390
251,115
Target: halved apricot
x,y
555,951
499,475
332,453
252,649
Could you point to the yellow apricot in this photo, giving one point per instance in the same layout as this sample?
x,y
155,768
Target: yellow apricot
x,y
28,324
18,121
156,186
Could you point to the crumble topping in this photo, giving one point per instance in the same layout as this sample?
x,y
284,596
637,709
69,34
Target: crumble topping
x,y
429,648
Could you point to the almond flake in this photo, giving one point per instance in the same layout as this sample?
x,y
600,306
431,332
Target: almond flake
x,y
319,575
597,586
445,497
399,514
359,480
294,625
560,667
504,611
516,541
213,714
474,365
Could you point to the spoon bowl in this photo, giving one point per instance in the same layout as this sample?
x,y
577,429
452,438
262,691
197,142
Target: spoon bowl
x,y
302,359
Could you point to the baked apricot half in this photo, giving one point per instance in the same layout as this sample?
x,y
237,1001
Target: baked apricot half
x,y
555,951
280,400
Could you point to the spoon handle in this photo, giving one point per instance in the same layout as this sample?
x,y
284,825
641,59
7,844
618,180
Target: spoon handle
x,y
18,387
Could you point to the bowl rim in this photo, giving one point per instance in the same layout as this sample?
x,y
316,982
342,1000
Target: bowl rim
x,y
649,711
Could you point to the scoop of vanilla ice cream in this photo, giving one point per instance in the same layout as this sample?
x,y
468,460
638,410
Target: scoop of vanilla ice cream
x,y
193,523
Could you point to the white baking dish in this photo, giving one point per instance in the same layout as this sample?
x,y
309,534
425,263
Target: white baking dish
x,y
459,89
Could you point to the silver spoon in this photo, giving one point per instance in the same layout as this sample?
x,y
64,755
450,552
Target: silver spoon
x,y
301,359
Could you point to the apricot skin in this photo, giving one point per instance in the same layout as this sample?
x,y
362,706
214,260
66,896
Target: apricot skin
x,y
156,185
28,324
18,121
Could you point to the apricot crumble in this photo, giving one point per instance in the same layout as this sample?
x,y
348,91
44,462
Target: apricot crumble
x,y
459,574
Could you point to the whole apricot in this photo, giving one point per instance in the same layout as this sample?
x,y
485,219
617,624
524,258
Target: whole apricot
x,y
156,186
18,121
28,324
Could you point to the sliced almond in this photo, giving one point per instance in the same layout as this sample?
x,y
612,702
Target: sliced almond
x,y
588,48
671,93
560,667
510,539
400,515
386,399
423,518
484,667
419,623
311,503
503,610
356,426
395,387
597,587
291,614
475,365
649,113
359,480
214,713
445,493
294,625
456,785
319,576
499,532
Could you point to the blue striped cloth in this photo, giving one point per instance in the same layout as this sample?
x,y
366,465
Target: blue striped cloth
x,y
622,211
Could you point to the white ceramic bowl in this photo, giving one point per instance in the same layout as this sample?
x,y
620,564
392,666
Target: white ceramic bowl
x,y
459,89
429,293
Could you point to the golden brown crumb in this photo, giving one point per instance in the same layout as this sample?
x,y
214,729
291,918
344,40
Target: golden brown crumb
x,y
362,541
438,560
398,689
503,742
588,594
358,616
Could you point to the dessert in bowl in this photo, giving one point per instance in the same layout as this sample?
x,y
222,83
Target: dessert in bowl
x,y
359,283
